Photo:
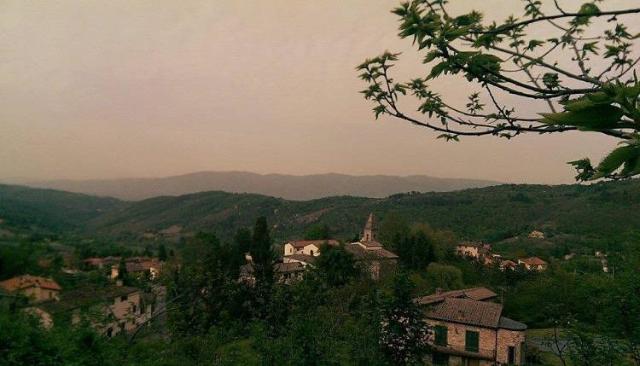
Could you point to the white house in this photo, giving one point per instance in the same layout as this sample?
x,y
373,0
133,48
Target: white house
x,y
306,247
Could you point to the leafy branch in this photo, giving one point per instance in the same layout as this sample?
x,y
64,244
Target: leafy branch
x,y
579,97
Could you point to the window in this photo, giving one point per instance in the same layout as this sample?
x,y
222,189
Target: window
x,y
109,332
123,298
441,335
511,357
311,251
50,294
472,341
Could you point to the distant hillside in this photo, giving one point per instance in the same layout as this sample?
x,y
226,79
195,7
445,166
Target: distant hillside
x,y
493,213
276,185
23,207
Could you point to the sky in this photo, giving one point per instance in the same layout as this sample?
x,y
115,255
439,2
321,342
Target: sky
x,y
149,88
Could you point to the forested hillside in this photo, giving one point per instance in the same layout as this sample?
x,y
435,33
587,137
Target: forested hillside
x,y
491,214
46,209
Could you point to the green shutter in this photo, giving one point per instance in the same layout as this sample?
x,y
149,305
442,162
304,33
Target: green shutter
x,y
441,335
472,341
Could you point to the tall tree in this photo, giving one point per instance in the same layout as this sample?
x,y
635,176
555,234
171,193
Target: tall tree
x,y
596,89
263,260
404,332
336,266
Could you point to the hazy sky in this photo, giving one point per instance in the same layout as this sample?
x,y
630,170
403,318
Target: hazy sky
x,y
104,89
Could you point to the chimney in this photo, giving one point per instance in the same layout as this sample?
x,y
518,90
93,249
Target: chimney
x,y
439,291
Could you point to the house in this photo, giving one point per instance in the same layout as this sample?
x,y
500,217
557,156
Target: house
x,y
285,273
306,247
110,310
36,288
475,250
533,264
468,330
139,266
370,253
475,293
97,262
508,265
536,234
288,273
305,260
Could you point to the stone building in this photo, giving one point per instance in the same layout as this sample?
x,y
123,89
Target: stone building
x,y
475,250
110,310
37,289
469,330
307,247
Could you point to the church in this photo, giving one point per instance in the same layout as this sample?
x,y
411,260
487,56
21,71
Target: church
x,y
371,254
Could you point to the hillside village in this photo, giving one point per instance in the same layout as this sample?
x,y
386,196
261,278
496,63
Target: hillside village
x,y
469,326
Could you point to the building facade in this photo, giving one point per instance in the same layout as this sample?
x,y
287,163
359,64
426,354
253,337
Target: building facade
x,y
472,332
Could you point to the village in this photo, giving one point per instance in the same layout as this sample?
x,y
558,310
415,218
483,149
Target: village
x,y
468,325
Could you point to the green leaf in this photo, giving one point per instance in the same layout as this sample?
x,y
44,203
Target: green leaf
x,y
599,116
438,69
432,55
615,159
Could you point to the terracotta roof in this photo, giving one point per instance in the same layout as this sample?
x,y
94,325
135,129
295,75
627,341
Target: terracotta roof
x,y
466,311
298,244
361,253
302,258
86,296
475,293
533,261
27,281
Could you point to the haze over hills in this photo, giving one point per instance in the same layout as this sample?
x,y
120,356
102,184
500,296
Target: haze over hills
x,y
277,185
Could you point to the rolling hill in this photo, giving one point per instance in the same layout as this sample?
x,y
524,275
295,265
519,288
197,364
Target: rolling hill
x,y
495,213
46,209
276,185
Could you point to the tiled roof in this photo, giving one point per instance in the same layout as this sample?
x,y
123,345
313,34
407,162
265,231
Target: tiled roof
x,y
302,258
27,281
476,293
466,311
299,244
510,324
533,261
361,253
86,296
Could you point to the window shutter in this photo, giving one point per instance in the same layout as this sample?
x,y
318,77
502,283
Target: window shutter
x,y
472,341
441,335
